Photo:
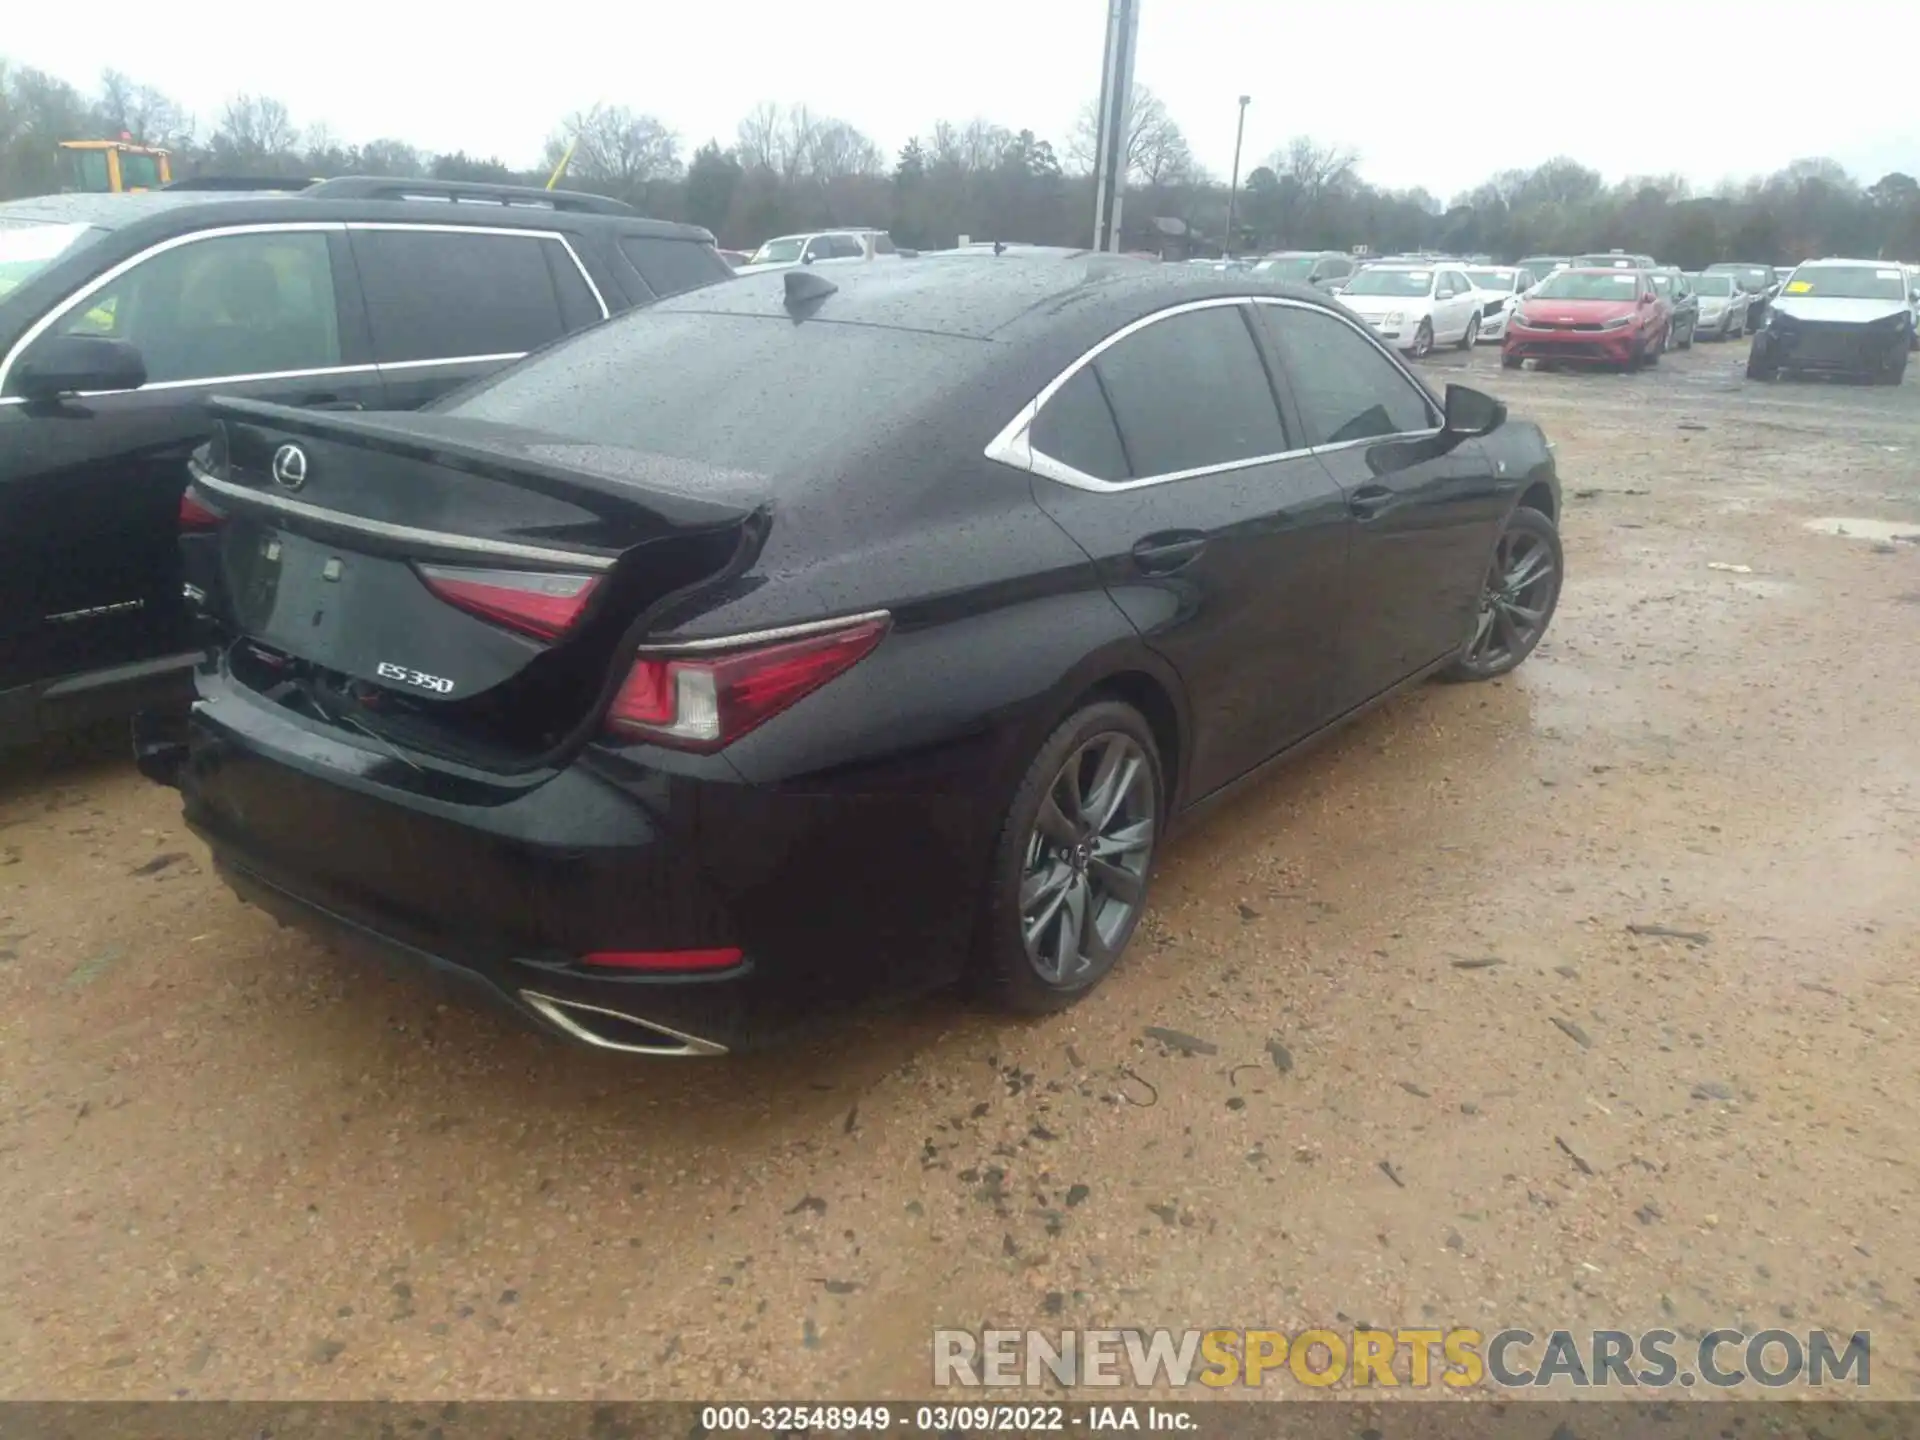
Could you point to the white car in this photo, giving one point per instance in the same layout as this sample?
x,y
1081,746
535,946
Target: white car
x,y
1913,294
1500,287
1414,307
784,251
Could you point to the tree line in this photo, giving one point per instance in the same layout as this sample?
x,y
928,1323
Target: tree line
x,y
791,167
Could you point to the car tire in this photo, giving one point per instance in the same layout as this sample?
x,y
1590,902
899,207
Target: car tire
x,y
1759,370
1040,865
1509,362
1735,330
1472,337
1517,599
1687,344
1423,340
1894,372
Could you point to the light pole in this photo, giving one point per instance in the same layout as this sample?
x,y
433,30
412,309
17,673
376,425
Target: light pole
x,y
1233,188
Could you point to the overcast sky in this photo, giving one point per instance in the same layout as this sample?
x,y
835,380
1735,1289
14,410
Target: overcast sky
x,y
1433,95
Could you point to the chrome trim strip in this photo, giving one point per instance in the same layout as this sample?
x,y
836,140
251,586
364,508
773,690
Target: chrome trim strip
x,y
1014,444
404,534
501,358
555,1010
114,272
764,637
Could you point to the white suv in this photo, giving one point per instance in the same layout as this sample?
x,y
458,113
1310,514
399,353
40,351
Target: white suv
x,y
1415,306
786,250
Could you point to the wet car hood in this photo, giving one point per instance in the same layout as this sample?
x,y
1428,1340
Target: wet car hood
x,y
1838,311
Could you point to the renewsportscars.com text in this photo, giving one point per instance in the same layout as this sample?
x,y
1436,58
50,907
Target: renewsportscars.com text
x,y
1457,1358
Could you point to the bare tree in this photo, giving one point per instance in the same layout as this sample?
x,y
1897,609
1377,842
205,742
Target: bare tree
x,y
255,127
143,112
615,149
1157,150
757,138
838,151
1317,168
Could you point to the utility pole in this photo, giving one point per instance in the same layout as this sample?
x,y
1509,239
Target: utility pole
x,y
1233,187
1116,97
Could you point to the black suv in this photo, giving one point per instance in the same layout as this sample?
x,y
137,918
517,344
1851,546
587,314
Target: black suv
x,y
120,315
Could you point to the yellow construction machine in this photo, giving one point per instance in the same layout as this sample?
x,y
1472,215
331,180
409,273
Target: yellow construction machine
x,y
112,167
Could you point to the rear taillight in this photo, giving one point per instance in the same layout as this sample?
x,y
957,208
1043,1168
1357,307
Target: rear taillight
x,y
533,602
196,514
706,702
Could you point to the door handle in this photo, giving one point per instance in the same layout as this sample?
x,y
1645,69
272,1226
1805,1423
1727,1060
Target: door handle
x,y
1164,554
1368,501
330,402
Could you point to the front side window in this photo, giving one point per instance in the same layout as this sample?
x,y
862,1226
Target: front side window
x,y
1346,387
444,295
883,244
784,251
1190,391
221,308
848,247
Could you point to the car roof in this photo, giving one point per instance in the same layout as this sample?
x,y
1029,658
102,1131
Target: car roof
x,y
176,211
1025,291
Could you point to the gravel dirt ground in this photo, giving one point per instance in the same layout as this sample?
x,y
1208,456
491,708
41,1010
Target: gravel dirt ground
x,y
1445,1079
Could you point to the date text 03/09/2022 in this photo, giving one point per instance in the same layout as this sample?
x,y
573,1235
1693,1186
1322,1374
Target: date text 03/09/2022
x,y
943,1419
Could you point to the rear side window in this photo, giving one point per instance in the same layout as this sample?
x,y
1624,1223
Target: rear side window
x,y
1076,428
848,247
443,295
1346,388
672,266
883,245
1191,391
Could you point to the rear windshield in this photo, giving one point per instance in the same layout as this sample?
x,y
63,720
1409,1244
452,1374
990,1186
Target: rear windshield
x,y
1754,277
28,246
738,392
1585,285
1391,282
1849,282
1492,279
1607,262
1714,284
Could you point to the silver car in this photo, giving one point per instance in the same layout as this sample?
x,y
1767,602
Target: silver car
x,y
1724,304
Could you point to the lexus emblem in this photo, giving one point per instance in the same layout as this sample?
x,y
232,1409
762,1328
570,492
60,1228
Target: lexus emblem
x,y
290,467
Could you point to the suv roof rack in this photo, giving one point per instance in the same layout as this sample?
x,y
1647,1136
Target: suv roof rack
x,y
386,187
240,182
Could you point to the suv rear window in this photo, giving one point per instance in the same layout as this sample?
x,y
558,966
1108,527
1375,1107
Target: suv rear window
x,y
672,266
737,392
440,295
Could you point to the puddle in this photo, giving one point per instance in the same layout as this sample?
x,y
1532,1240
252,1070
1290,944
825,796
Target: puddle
x,y
1881,530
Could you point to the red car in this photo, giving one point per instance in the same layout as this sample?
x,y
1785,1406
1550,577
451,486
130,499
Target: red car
x,y
1614,316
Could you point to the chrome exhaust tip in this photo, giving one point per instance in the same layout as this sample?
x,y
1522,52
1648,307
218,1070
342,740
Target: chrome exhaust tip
x,y
612,1030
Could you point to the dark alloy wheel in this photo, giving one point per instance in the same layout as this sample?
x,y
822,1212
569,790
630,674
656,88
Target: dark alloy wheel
x,y
1518,600
1070,875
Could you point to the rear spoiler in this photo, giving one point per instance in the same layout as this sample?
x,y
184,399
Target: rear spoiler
x,y
512,454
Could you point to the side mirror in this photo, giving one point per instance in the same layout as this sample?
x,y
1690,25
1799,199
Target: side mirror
x,y
74,364
1469,412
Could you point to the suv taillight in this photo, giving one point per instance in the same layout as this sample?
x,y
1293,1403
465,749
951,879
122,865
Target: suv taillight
x,y
706,702
196,514
534,602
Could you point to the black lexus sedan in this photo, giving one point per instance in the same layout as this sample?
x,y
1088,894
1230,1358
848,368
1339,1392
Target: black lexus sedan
x,y
814,637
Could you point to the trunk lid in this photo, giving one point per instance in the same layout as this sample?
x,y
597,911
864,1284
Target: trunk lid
x,y
454,586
